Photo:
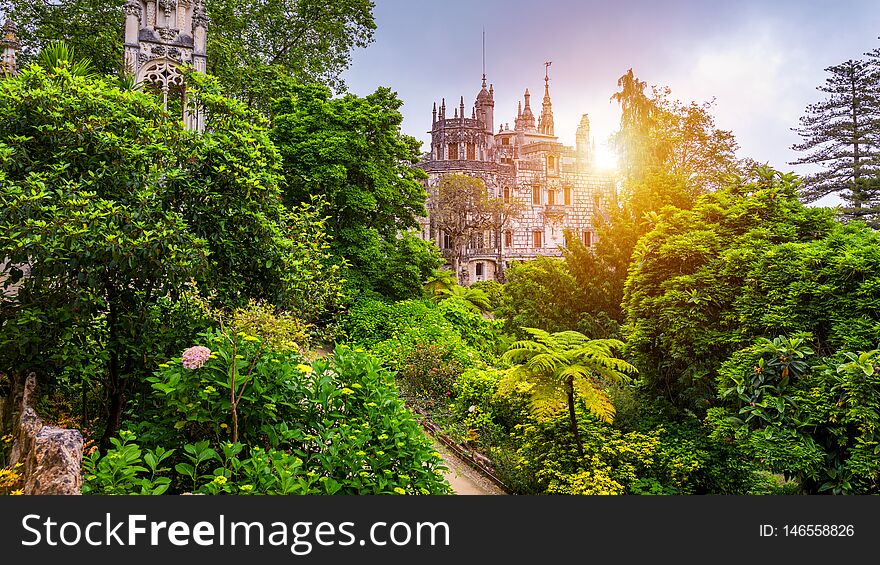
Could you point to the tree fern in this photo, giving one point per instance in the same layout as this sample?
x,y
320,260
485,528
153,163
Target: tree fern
x,y
564,366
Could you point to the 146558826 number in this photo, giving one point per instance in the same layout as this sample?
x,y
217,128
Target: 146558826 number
x,y
819,530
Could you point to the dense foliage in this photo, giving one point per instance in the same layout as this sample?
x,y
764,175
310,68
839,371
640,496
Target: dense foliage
x,y
336,426
112,209
350,151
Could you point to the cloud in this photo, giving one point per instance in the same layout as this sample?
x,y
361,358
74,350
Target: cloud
x,y
761,83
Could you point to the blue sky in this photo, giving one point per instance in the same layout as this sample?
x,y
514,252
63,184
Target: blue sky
x,y
760,61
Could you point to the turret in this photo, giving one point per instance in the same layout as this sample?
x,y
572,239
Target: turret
x,y
200,36
583,148
525,120
9,47
132,11
486,106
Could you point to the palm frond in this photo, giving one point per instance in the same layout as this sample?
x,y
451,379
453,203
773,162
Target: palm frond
x,y
595,399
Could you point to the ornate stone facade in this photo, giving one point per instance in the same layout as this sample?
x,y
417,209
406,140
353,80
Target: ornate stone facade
x,y
9,47
558,185
160,37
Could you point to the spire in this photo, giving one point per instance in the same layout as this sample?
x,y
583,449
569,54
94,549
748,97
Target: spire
x,y
434,114
545,122
484,58
526,119
461,105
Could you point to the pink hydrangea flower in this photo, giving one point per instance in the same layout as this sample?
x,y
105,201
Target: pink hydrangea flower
x,y
196,357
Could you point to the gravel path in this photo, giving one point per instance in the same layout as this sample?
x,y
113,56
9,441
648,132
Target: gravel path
x,y
464,478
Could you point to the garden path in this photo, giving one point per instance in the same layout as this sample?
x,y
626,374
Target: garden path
x,y
464,478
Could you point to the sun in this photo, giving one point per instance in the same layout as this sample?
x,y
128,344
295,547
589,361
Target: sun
x,y
605,158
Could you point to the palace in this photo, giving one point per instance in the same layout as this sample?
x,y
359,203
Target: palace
x,y
558,185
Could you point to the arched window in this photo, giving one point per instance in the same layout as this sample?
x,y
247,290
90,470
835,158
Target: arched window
x,y
551,162
163,77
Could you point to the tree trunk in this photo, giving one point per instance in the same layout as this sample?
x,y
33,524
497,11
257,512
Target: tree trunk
x,y
572,418
499,268
858,195
116,391
115,384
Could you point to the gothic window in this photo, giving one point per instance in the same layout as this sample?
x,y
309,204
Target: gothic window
x,y
507,194
508,239
588,238
164,78
537,238
447,241
536,195
453,151
471,152
567,195
479,270
551,197
551,162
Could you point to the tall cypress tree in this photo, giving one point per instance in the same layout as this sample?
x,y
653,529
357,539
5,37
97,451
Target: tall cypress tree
x,y
840,134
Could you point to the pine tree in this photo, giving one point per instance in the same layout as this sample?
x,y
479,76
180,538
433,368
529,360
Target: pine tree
x,y
840,135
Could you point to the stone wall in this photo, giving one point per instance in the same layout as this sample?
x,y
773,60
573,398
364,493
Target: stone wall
x,y
51,457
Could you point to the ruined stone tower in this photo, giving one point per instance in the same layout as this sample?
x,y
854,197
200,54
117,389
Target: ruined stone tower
x,y
160,37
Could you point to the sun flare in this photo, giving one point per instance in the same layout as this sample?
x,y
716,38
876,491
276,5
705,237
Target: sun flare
x,y
606,158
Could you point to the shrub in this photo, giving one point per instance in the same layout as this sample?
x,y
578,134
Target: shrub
x,y
430,370
336,426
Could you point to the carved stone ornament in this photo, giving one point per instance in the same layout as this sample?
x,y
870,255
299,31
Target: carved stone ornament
x,y
167,33
169,6
200,17
132,8
158,50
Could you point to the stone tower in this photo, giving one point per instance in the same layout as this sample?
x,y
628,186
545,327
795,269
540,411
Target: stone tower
x,y
9,47
161,36
582,144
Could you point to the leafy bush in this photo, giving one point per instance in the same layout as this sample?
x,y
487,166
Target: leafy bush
x,y
336,426
814,420
431,370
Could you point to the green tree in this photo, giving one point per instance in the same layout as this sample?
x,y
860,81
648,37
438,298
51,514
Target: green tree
x,y
251,42
110,207
349,150
564,366
92,28
841,135
745,262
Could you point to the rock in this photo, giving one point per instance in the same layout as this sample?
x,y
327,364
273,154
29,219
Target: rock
x,y
51,457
